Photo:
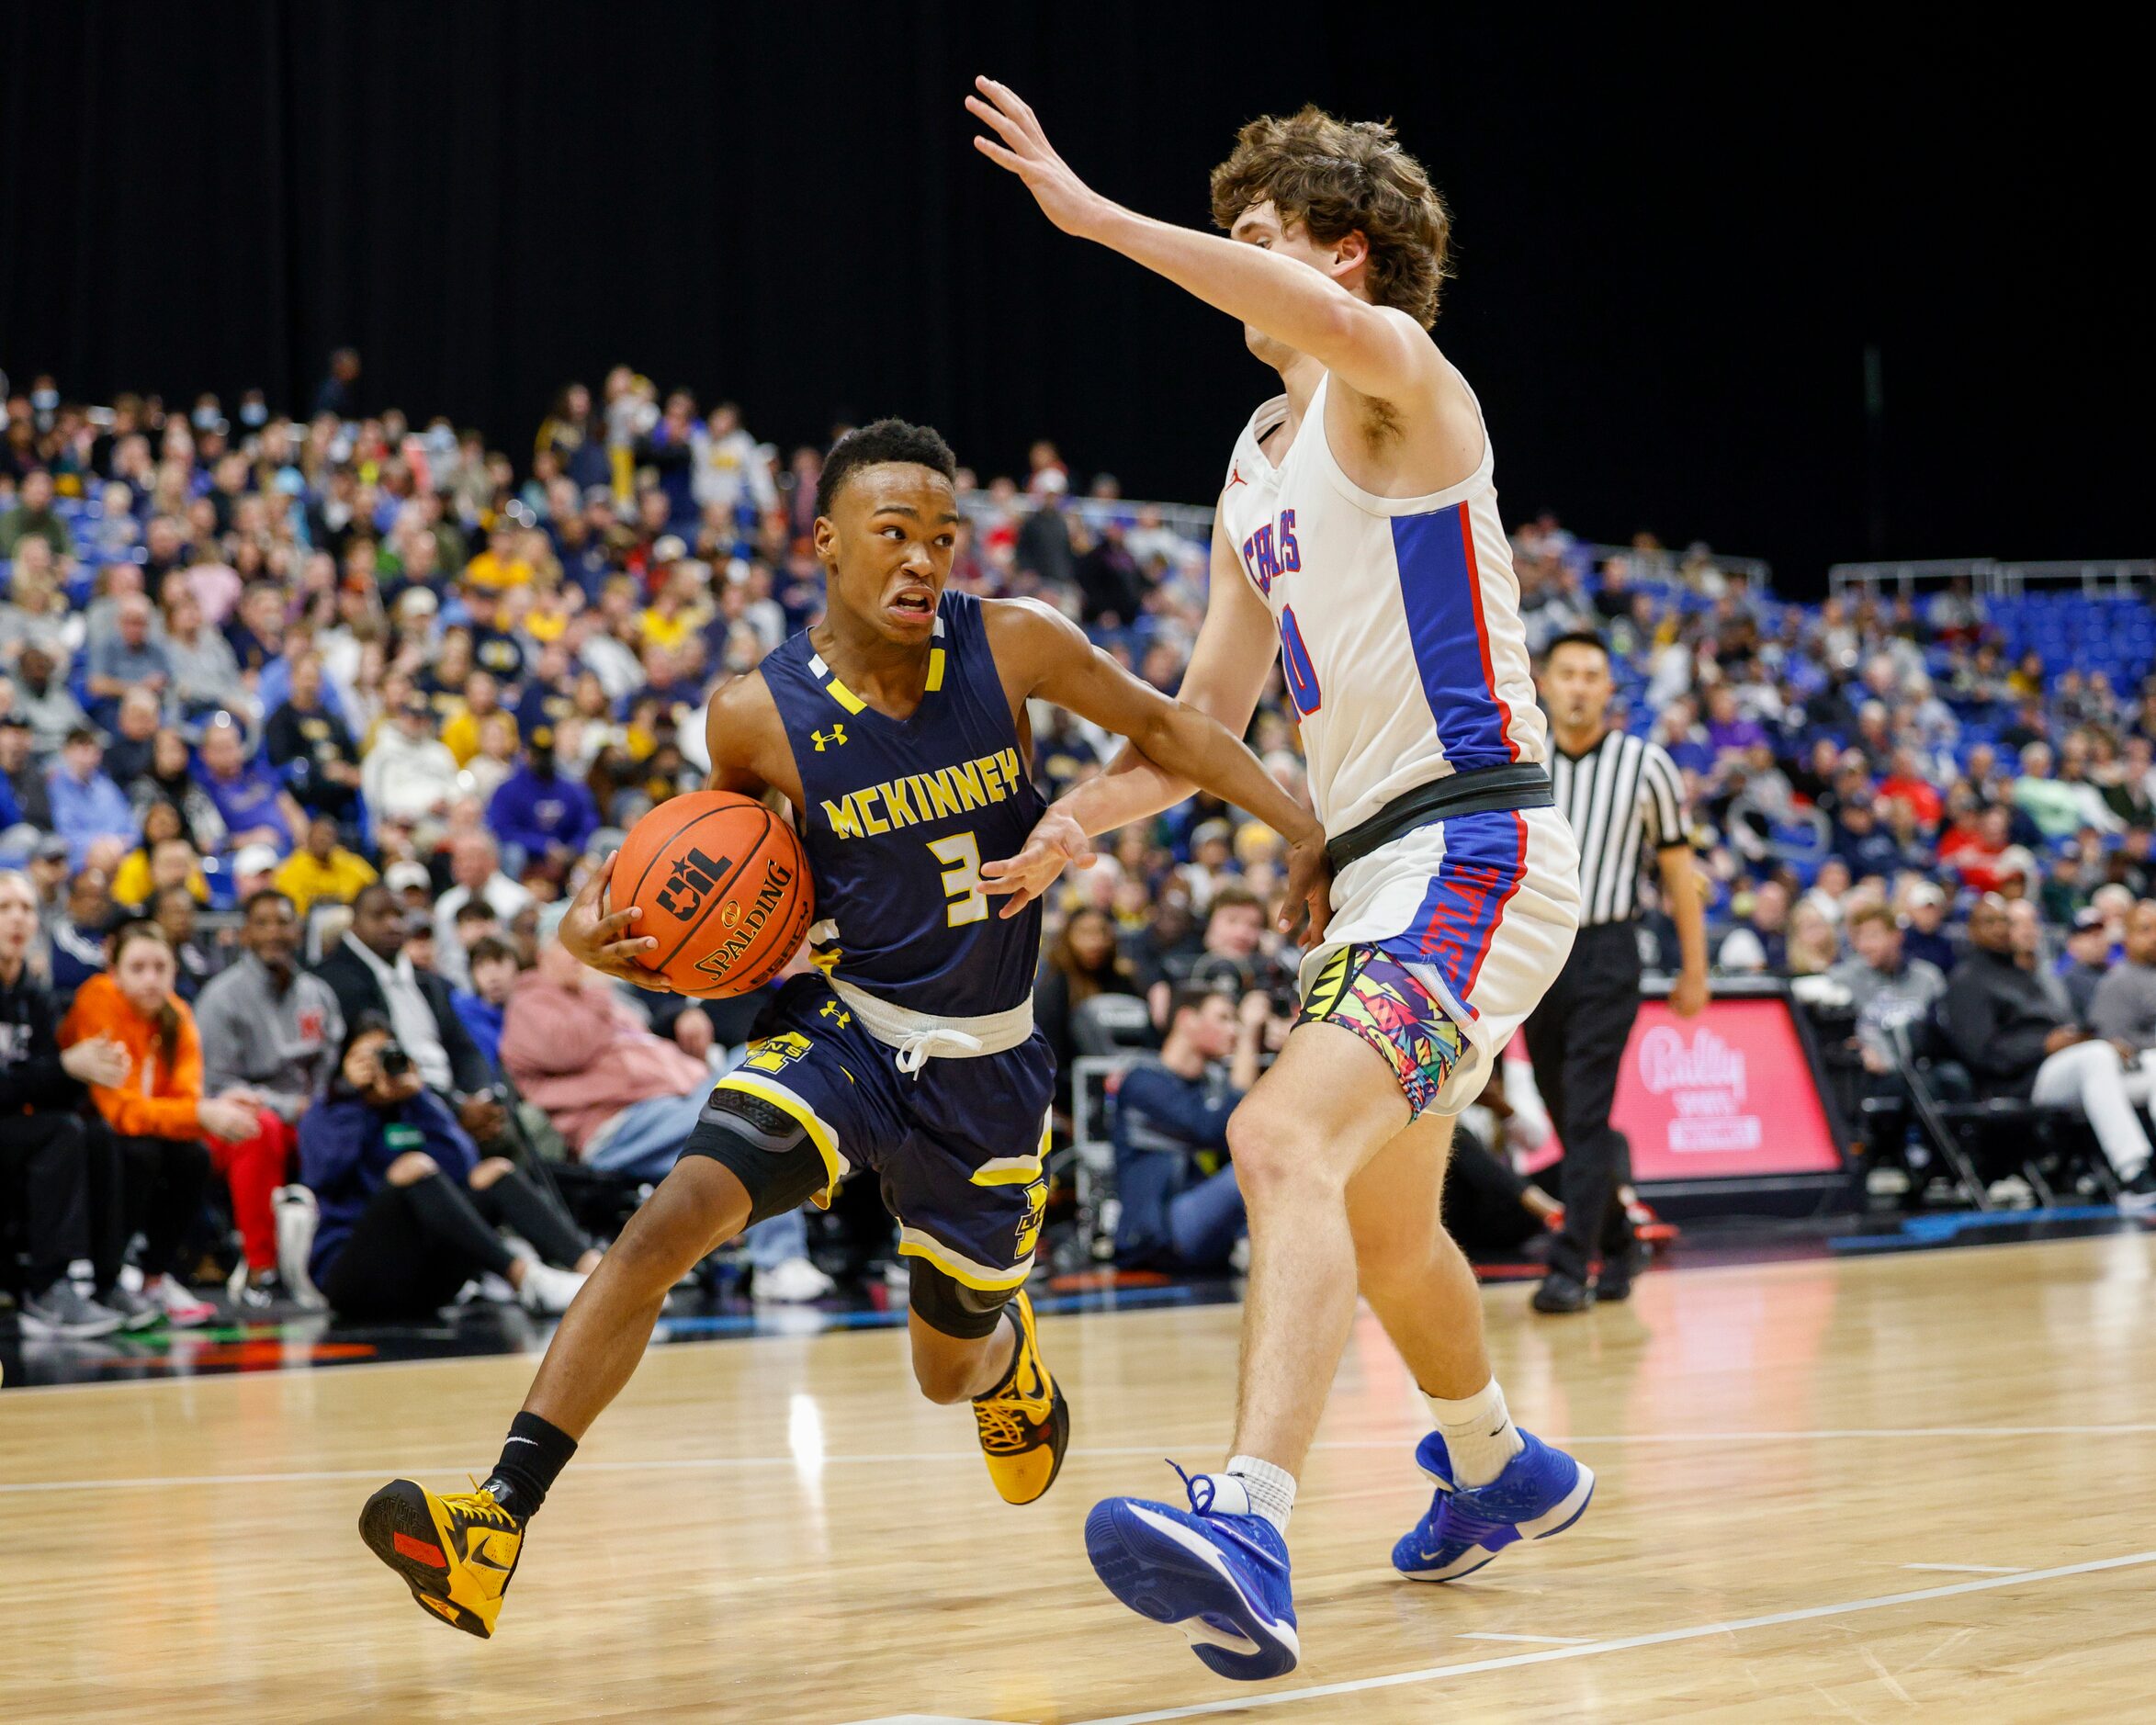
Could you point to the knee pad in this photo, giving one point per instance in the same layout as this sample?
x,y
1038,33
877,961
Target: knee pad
x,y
764,1147
947,1304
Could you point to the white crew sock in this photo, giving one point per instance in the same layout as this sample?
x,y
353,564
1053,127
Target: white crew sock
x,y
1478,1432
1251,1487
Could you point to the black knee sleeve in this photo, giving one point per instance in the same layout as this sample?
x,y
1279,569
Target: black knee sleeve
x,y
947,1304
766,1148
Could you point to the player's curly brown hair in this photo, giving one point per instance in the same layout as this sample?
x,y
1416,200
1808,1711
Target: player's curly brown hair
x,y
1339,177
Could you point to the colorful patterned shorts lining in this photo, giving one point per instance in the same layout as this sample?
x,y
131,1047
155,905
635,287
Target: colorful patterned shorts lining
x,y
1366,990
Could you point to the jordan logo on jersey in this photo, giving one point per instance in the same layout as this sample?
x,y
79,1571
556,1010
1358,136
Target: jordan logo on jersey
x,y
693,876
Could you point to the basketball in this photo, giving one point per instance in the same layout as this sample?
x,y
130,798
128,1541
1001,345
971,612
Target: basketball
x,y
724,887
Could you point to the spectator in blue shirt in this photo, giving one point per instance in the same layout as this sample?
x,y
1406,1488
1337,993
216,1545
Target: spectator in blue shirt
x,y
539,811
87,805
1182,1210
1860,841
494,968
252,800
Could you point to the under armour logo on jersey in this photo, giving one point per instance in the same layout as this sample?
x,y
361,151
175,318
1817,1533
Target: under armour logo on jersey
x,y
836,735
832,1009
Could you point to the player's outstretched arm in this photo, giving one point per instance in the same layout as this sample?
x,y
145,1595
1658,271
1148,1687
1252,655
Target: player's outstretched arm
x,y
1043,654
1234,649
1375,350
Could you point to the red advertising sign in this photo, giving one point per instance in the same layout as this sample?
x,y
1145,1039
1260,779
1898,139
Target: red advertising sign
x,y
1728,1094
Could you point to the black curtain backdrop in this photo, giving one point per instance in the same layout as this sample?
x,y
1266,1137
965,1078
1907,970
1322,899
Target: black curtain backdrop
x,y
1675,244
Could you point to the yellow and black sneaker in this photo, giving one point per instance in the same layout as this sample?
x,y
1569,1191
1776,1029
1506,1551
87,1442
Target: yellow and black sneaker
x,y
456,1553
1024,1426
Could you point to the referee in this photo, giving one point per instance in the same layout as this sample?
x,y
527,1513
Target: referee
x,y
1624,799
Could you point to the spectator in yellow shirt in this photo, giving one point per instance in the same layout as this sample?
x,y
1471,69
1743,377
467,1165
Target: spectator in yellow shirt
x,y
482,701
502,564
322,868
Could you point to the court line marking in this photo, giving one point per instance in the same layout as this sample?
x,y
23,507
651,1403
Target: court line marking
x,y
666,1464
1972,1569
1554,1641
1622,1643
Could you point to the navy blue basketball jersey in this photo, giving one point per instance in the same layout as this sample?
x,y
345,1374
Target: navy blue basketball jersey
x,y
899,815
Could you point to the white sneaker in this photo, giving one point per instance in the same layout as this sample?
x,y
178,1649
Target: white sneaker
x,y
794,1282
547,1289
181,1309
298,1216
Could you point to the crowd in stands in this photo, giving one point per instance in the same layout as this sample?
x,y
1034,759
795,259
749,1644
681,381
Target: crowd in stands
x,y
307,723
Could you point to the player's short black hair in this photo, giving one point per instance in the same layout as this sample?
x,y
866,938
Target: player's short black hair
x,y
1576,637
262,896
870,446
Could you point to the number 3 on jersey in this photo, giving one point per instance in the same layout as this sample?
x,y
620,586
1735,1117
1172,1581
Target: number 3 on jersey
x,y
962,880
1296,661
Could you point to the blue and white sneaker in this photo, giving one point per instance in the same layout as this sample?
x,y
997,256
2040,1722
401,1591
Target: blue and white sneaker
x,y
1541,1492
1224,1578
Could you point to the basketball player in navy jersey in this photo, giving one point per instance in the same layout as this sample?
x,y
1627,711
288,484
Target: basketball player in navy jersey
x,y
895,728
1358,540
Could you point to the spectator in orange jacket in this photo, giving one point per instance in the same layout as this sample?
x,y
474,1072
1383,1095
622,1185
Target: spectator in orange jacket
x,y
170,1134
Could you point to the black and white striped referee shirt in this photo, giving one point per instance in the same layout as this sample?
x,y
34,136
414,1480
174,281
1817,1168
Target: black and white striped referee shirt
x,y
1625,800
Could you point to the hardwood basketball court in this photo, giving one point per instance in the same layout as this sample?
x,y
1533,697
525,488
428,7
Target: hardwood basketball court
x,y
1828,1489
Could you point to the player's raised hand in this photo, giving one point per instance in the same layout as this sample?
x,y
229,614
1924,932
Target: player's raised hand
x,y
603,942
1055,841
1065,199
1309,899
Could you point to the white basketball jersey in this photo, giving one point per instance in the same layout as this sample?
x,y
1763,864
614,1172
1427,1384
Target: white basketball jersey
x,y
1399,619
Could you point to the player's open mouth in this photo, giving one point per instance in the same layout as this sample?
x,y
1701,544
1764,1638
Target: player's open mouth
x,y
914,602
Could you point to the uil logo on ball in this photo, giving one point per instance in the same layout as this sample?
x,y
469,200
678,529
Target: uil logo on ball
x,y
693,877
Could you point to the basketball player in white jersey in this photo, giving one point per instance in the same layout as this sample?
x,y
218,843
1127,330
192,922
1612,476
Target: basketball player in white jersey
x,y
1357,536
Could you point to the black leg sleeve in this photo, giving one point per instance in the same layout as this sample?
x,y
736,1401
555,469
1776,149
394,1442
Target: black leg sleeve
x,y
515,1203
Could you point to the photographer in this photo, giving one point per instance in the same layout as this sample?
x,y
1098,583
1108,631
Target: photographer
x,y
409,1211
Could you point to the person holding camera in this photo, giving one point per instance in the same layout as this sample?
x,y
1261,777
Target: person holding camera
x,y
409,1210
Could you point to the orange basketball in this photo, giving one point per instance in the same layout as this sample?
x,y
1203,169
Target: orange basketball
x,y
724,887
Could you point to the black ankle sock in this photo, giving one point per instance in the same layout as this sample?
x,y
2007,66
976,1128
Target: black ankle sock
x,y
531,1459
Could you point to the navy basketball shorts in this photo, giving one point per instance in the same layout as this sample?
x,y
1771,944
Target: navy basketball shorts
x,y
957,1147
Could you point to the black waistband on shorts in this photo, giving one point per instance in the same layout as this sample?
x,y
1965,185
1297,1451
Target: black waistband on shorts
x,y
1516,784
